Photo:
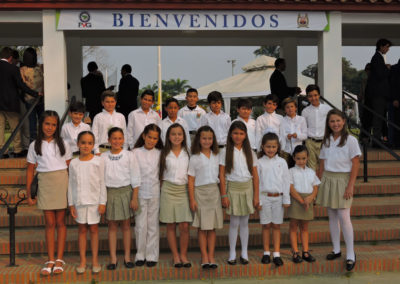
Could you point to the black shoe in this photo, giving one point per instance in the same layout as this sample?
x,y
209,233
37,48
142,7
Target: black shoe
x,y
151,263
296,258
21,154
187,265
112,266
333,256
140,262
129,264
213,266
266,259
178,265
5,156
205,265
307,256
243,261
350,263
278,261
232,262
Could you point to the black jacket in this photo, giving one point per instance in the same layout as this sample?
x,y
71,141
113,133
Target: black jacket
x,y
128,91
279,87
92,87
378,81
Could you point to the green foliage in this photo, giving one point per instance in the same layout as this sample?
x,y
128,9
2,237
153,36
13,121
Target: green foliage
x,y
169,88
272,51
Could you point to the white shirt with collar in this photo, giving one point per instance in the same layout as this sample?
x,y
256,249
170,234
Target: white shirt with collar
x,y
70,132
102,122
303,180
86,184
204,169
149,165
240,171
274,176
167,122
192,117
269,122
251,130
137,121
176,170
219,123
338,159
316,119
51,159
293,125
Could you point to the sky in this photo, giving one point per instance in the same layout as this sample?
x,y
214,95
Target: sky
x,y
201,65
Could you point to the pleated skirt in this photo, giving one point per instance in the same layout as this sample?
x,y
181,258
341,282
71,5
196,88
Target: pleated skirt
x,y
209,215
331,190
240,195
297,210
174,203
118,203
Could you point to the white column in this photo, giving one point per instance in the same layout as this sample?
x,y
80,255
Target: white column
x,y
330,60
288,51
74,63
55,64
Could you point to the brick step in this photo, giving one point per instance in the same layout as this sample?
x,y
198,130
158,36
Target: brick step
x,y
370,258
14,163
380,155
379,169
31,240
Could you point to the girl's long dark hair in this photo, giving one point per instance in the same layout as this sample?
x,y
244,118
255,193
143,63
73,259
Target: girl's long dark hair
x,y
196,147
150,127
168,146
57,137
328,131
229,159
270,136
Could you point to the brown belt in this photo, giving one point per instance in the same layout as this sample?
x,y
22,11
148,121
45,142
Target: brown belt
x,y
272,194
315,139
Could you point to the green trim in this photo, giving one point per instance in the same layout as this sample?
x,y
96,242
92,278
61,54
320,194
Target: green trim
x,y
57,18
327,27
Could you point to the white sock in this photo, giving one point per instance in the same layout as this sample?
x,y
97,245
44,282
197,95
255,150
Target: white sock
x,y
348,233
276,254
334,229
233,233
244,234
267,253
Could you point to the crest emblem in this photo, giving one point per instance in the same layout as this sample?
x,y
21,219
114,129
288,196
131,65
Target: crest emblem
x,y
84,17
302,21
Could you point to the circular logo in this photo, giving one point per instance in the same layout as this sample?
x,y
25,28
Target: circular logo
x,y
84,16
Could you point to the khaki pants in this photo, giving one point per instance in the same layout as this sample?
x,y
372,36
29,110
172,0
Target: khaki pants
x,y
313,153
13,119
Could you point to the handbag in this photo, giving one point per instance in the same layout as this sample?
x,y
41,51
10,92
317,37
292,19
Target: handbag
x,y
34,187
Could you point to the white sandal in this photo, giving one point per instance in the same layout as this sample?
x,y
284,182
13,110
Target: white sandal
x,y
59,269
45,271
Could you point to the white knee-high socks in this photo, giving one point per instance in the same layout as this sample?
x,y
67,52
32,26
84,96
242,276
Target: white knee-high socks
x,y
237,222
340,219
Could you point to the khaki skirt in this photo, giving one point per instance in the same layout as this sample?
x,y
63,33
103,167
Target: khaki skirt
x,y
240,195
298,212
331,190
52,190
174,203
118,203
209,215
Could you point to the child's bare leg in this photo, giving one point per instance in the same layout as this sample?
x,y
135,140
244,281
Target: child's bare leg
x,y
112,240
127,238
184,240
276,235
94,243
304,234
171,237
293,234
82,232
265,236
61,233
211,238
203,246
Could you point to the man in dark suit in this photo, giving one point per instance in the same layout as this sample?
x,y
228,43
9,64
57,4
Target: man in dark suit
x,y
92,87
10,85
395,91
277,82
128,91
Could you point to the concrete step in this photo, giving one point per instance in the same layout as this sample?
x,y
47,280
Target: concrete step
x,y
378,258
31,240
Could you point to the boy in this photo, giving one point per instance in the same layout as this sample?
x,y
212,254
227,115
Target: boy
x,y
139,118
105,120
216,118
70,130
270,121
172,107
244,107
315,115
192,113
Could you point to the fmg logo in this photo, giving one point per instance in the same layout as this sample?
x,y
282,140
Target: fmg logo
x,y
84,18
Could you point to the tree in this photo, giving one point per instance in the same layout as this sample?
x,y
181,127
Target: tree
x,y
170,88
272,51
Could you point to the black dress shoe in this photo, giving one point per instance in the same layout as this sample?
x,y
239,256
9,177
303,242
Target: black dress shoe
x,y
5,156
232,262
307,256
333,256
187,265
151,263
350,263
277,261
140,262
178,265
129,264
243,261
205,265
296,258
112,266
213,266
266,259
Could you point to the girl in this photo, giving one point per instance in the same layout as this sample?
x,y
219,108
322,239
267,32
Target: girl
x,y
204,196
52,157
303,190
87,197
174,205
273,173
239,164
339,163
147,152
122,182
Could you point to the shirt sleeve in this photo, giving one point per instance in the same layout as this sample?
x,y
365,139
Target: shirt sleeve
x,y
70,184
188,140
354,148
192,166
135,170
316,180
103,188
203,120
282,135
258,133
291,179
68,153
64,132
302,135
254,159
286,183
95,130
123,127
129,129
31,157
222,156
322,153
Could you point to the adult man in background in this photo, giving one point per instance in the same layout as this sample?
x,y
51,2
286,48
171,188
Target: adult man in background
x,y
128,91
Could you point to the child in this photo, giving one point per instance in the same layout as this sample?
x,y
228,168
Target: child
x,y
172,107
294,128
147,152
174,203
216,118
339,163
87,197
122,181
274,194
270,121
204,195
105,120
239,163
192,113
71,129
303,190
141,117
244,107
315,115
52,157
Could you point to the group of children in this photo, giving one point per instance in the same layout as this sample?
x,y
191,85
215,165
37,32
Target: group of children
x,y
184,169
